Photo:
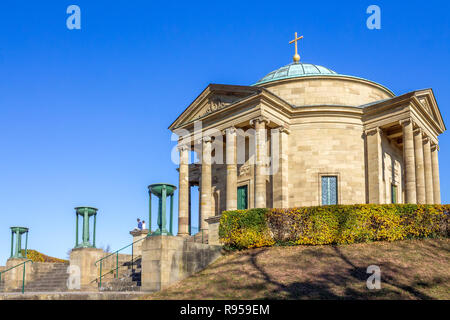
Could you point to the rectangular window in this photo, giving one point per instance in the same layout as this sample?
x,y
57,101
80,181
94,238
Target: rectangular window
x,y
329,190
242,198
394,193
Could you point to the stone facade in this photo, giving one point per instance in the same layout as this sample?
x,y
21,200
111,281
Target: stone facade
x,y
283,139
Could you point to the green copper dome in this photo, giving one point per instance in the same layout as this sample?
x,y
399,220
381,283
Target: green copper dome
x,y
295,70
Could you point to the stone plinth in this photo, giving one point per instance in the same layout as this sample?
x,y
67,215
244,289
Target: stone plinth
x,y
85,259
213,231
13,278
138,235
168,259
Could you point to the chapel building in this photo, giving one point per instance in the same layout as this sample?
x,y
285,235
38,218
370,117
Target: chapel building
x,y
305,135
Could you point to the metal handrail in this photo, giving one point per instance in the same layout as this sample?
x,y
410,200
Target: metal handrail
x,y
117,259
23,276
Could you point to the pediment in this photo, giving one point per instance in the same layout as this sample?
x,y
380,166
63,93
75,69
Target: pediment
x,y
212,99
213,103
428,102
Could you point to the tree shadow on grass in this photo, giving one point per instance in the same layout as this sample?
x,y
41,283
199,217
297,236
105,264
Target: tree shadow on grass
x,y
338,284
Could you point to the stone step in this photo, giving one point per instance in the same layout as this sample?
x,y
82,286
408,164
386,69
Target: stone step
x,y
49,278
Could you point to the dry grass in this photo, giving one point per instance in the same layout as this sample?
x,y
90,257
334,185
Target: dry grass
x,y
412,269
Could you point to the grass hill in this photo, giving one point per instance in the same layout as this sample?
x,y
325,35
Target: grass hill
x,y
36,256
411,269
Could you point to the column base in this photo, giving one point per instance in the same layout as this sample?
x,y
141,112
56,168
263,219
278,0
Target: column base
x,y
159,232
84,245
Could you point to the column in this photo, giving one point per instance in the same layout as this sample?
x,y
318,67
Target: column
x,y
374,165
199,223
231,193
260,163
420,172
435,167
163,210
86,226
18,244
76,228
206,181
189,210
409,162
12,243
428,171
280,169
183,193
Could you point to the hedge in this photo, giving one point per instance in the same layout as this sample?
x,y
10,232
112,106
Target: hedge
x,y
339,224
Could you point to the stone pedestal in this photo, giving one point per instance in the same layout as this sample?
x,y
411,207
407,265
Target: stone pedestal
x,y
13,279
168,259
213,230
84,259
138,235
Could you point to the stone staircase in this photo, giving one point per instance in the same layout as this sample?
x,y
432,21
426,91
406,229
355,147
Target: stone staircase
x,y
49,277
130,280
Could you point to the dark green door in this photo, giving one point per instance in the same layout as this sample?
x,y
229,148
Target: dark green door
x,y
242,197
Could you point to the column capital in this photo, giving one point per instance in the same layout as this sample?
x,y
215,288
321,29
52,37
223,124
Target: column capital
x,y
426,140
207,139
230,130
369,132
418,131
204,139
405,122
283,129
183,147
434,147
259,120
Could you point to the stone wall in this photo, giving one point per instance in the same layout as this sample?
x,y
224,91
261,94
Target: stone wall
x,y
168,259
85,258
213,230
331,91
326,148
13,279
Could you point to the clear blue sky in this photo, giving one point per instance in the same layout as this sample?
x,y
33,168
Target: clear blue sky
x,y
84,113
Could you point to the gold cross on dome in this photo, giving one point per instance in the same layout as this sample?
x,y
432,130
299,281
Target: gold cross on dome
x,y
296,56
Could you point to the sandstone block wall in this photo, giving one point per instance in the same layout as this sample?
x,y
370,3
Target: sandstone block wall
x,y
325,148
320,91
85,259
168,259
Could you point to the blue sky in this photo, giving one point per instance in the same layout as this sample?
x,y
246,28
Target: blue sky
x,y
84,113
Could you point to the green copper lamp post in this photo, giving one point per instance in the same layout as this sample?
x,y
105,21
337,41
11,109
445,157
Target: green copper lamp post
x,y
18,232
86,213
162,191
